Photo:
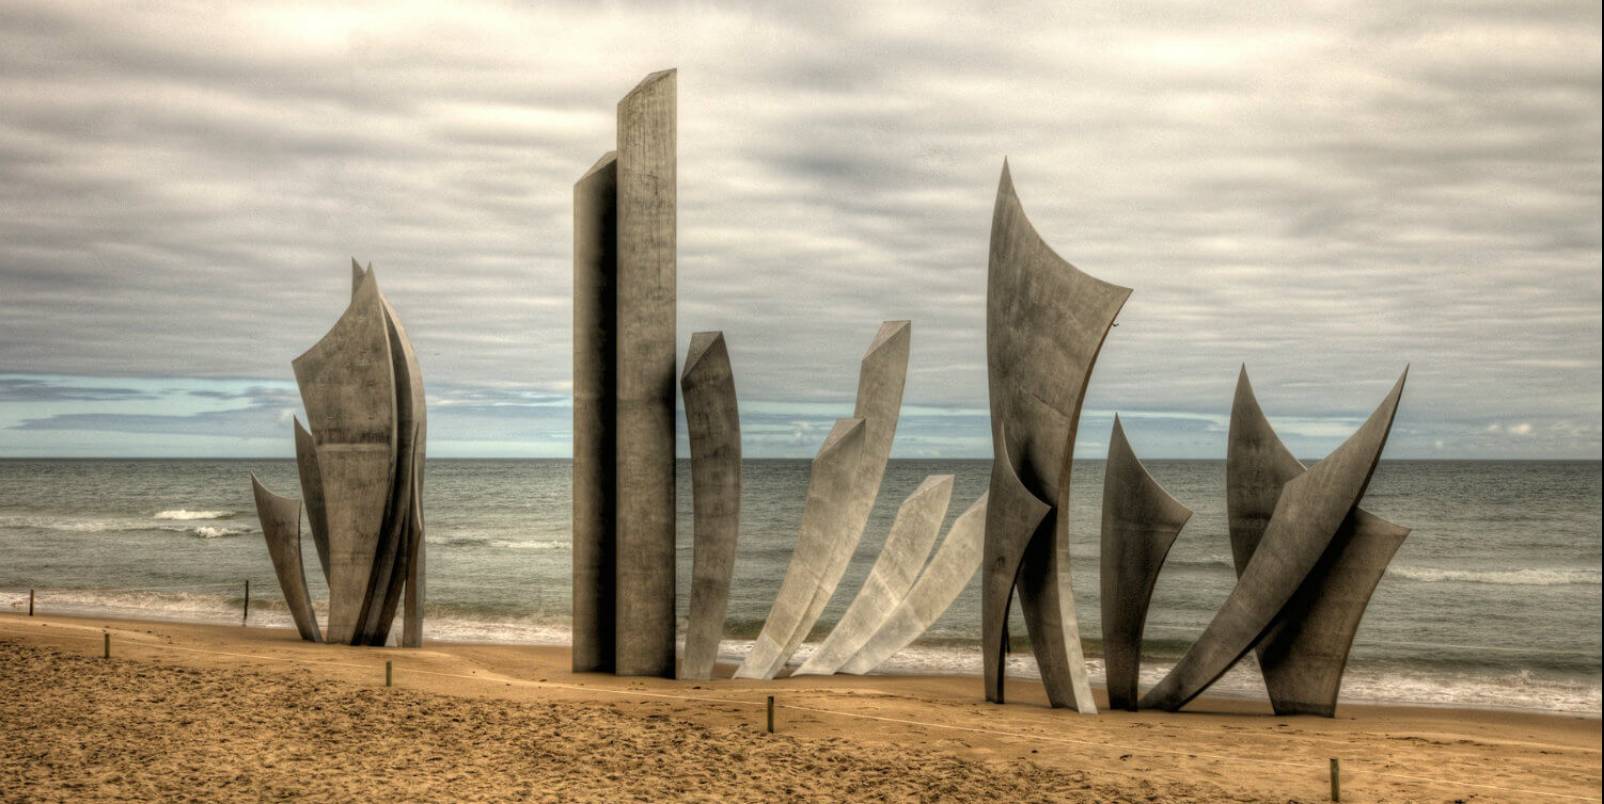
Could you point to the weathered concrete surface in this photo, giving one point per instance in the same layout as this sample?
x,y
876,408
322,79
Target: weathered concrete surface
x,y
312,493
1140,523
1013,517
1305,652
913,533
1311,509
713,420
391,567
943,579
595,437
281,526
1045,324
347,383
417,581
881,376
829,495
644,562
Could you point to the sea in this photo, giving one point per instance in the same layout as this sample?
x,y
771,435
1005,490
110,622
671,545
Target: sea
x,y
1493,600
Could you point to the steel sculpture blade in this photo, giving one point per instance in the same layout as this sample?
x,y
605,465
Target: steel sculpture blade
x,y
645,562
1305,653
713,421
913,534
395,552
1013,517
1311,509
947,575
595,477
412,621
1045,324
312,493
812,561
281,527
881,377
347,383
1140,523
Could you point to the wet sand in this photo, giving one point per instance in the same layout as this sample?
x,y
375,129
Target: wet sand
x,y
218,712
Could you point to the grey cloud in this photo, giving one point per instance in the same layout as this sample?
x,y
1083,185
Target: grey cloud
x,y
1325,192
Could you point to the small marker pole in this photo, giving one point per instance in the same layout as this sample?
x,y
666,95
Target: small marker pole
x,y
30,602
771,714
245,618
388,675
106,645
1336,779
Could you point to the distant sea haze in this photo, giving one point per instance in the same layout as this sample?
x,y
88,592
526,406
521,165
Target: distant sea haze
x,y
1494,600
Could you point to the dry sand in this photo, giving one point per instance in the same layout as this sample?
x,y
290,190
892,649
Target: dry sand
x,y
216,712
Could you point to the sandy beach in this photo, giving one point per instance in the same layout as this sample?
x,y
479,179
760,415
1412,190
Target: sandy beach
x,y
216,712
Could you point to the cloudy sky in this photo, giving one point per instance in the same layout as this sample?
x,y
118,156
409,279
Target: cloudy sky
x,y
1325,192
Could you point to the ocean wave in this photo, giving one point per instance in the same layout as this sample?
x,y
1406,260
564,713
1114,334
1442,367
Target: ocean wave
x,y
1516,577
185,514
119,525
209,532
500,544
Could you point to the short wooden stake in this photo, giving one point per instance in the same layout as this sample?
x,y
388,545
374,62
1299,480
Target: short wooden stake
x,y
30,602
388,674
106,645
245,618
1336,780
771,714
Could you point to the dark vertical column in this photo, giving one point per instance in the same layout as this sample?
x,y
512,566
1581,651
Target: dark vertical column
x,y
595,389
646,352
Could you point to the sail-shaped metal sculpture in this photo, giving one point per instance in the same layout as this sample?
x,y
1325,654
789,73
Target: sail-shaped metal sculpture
x,y
1304,654
1045,324
360,462
1140,523
913,533
947,575
812,563
713,422
1311,509
281,526
312,490
881,376
347,384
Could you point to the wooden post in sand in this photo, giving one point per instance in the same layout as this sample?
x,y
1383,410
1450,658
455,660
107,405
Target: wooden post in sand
x,y
245,617
30,602
771,714
105,645
387,673
1336,779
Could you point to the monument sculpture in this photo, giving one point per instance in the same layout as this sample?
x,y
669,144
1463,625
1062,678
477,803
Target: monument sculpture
x,y
1308,514
829,493
1140,523
833,520
1045,323
281,526
913,534
361,469
1305,652
947,575
714,423
624,355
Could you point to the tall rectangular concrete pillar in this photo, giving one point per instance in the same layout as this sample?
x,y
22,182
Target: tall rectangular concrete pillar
x,y
595,386
645,562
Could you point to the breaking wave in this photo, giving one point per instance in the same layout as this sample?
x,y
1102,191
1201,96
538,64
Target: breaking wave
x,y
1517,577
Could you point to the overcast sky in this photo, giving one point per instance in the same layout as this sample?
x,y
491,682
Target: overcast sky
x,y
1324,192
